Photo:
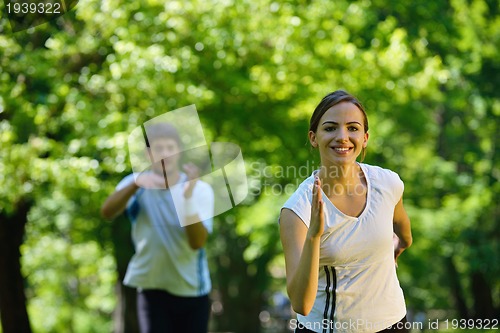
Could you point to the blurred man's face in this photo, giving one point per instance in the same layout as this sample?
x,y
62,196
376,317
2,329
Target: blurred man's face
x,y
167,150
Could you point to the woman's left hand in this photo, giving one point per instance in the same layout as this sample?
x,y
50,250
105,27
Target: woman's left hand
x,y
398,249
402,231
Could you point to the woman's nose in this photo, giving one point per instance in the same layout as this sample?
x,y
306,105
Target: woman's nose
x,y
342,135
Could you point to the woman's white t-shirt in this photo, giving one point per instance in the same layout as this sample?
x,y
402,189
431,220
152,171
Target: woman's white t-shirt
x,y
358,289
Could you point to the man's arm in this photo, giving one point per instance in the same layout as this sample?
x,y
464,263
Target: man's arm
x,y
116,203
197,234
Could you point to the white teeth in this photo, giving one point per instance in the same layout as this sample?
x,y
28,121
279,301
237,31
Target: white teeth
x,y
342,149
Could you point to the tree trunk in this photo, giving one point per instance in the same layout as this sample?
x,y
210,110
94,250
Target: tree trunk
x,y
125,315
483,301
13,313
456,289
237,291
241,285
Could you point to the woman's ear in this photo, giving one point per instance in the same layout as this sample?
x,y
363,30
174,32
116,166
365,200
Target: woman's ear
x,y
365,141
312,139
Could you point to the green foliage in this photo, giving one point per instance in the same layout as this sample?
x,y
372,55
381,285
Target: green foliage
x,y
72,89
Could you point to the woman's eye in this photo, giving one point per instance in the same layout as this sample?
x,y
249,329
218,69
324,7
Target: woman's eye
x,y
353,129
329,128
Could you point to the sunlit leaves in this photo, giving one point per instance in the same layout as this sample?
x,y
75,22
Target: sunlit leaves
x,y
71,90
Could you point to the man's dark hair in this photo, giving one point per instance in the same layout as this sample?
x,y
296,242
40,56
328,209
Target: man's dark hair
x,y
162,131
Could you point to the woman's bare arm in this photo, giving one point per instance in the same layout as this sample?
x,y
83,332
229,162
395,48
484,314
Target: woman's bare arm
x,y
301,248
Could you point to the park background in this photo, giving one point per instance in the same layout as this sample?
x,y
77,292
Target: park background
x,y
71,90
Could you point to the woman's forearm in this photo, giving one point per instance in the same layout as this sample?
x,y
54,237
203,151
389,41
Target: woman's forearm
x,y
303,284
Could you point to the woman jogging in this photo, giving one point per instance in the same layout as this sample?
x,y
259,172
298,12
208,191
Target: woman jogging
x,y
337,231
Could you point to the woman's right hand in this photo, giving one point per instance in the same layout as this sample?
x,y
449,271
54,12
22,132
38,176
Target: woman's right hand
x,y
301,246
317,223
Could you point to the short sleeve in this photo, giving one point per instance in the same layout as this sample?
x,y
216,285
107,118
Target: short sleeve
x,y
300,202
385,181
398,187
125,182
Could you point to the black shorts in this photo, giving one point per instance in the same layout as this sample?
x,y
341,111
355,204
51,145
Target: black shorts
x,y
161,312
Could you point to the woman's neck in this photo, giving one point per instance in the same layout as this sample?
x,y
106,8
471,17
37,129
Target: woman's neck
x,y
341,178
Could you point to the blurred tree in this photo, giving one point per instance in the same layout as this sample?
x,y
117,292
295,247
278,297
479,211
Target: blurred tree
x,y
462,183
12,295
71,91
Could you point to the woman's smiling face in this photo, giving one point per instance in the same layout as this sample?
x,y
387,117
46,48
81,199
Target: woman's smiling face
x,y
340,136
